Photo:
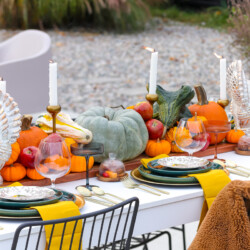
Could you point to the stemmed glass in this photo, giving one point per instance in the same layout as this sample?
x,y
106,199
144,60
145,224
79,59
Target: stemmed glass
x,y
53,158
190,135
217,127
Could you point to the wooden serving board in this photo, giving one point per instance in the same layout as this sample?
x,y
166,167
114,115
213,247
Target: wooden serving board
x,y
129,165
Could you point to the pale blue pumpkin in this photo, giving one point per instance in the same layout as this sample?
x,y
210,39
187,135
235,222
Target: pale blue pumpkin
x,y
122,132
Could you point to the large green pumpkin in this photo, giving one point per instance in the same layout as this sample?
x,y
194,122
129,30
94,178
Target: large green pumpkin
x,y
122,132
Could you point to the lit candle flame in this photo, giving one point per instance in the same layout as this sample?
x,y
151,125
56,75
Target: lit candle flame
x,y
149,49
218,56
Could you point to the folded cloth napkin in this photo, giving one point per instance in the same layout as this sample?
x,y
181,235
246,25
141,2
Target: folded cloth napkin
x,y
145,161
226,225
60,210
212,183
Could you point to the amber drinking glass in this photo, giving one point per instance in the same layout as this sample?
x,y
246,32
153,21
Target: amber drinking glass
x,y
216,127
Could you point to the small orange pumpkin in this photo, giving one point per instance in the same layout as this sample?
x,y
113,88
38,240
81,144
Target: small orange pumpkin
x,y
78,163
170,138
14,155
68,142
233,136
30,136
157,147
33,174
14,172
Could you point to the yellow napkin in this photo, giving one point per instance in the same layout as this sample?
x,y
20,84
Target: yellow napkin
x,y
60,210
145,161
212,183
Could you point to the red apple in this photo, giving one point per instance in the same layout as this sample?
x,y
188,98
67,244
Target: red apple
x,y
155,128
207,143
27,156
145,109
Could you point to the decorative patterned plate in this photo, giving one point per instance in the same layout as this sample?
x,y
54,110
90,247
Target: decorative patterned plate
x,y
136,175
183,162
26,213
26,193
153,166
25,204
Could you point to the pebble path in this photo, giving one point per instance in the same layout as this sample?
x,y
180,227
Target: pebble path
x,y
106,69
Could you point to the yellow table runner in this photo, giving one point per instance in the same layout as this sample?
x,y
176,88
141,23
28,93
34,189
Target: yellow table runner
x,y
60,210
212,182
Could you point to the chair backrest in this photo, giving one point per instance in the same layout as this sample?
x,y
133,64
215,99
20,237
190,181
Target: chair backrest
x,y
24,64
108,228
25,45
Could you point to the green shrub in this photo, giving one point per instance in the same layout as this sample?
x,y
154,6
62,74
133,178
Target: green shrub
x,y
116,14
240,19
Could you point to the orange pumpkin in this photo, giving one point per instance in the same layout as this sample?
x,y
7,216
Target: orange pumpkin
x,y
68,142
130,107
78,163
14,172
14,155
170,138
157,147
30,136
210,110
33,174
233,136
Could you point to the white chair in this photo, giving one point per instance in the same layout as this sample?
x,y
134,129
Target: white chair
x,y
24,64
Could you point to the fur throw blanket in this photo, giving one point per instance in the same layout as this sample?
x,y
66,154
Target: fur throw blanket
x,y
226,225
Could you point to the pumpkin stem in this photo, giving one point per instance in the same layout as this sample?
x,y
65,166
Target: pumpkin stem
x,y
106,117
26,122
115,107
201,94
164,132
158,140
235,129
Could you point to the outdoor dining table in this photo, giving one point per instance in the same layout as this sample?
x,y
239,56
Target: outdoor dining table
x,y
181,206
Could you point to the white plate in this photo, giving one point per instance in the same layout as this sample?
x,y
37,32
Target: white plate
x,y
25,193
183,162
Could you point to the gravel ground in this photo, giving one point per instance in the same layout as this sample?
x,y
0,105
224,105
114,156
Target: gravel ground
x,y
112,69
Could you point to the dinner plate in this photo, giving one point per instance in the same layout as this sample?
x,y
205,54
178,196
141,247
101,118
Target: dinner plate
x,y
183,162
146,173
26,213
25,193
174,173
25,204
137,176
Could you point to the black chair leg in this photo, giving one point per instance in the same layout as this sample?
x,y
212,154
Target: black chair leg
x,y
184,236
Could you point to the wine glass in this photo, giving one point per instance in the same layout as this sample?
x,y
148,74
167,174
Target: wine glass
x,y
216,127
190,135
53,158
87,150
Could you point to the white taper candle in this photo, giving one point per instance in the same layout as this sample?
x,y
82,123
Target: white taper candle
x,y
153,73
53,83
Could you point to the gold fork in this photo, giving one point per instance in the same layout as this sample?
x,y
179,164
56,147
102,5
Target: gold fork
x,y
131,184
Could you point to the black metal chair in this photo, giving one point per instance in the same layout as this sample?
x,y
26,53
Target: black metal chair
x,y
108,227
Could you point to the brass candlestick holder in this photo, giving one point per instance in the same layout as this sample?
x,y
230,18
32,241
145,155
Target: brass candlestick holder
x,y
223,103
54,110
152,98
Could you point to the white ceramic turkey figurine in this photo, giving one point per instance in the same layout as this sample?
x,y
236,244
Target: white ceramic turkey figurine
x,y
10,127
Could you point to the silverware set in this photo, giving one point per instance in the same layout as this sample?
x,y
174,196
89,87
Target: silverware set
x,y
99,193
129,183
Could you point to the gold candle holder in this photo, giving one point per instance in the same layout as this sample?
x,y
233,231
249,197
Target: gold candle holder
x,y
151,98
223,103
54,110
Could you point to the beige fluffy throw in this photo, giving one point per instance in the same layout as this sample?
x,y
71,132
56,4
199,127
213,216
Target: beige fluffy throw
x,y
226,225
